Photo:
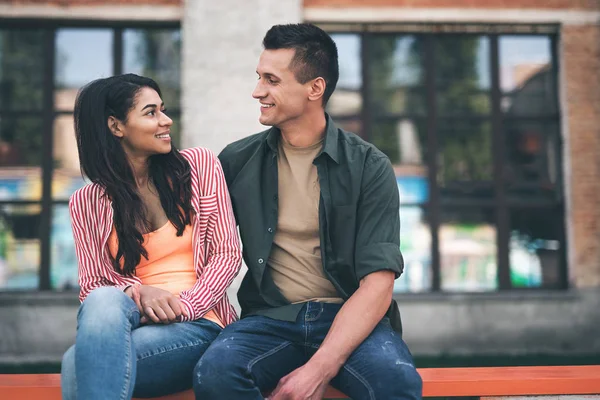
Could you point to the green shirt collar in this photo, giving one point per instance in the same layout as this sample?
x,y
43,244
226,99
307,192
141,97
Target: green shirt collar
x,y
330,146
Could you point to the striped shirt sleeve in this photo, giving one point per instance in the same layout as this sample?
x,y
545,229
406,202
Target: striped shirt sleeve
x,y
93,271
224,254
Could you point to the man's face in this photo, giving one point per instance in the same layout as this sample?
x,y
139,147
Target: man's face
x,y
282,98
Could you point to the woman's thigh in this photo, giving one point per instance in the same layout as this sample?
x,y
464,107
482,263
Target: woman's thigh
x,y
167,354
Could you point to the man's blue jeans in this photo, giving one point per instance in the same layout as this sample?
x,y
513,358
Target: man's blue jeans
x,y
252,355
115,358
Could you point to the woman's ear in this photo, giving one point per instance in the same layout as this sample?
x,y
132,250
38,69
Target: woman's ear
x,y
115,126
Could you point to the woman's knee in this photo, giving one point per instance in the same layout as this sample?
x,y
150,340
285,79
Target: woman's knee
x,y
68,381
105,305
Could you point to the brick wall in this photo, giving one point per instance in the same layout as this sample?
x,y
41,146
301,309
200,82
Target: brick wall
x,y
581,74
92,2
531,4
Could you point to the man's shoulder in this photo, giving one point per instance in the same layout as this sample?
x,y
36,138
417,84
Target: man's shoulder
x,y
241,147
356,148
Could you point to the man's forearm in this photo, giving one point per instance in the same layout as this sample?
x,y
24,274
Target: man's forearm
x,y
354,322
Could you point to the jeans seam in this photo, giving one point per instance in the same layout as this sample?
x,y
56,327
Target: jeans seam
x,y
125,392
265,355
178,347
362,380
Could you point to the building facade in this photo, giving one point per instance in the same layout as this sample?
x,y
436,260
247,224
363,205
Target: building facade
x,y
488,109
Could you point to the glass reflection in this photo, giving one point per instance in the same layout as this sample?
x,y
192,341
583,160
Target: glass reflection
x,y
157,55
21,69
535,247
347,98
415,244
396,74
82,55
19,246
527,75
468,250
20,158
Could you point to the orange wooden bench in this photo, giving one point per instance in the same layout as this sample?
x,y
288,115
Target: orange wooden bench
x,y
484,382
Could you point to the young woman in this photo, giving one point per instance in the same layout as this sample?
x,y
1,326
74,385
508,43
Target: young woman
x,y
157,247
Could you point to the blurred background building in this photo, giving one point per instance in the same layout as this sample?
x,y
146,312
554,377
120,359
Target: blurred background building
x,y
488,109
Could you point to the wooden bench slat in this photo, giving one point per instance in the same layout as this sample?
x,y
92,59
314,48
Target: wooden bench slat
x,y
479,381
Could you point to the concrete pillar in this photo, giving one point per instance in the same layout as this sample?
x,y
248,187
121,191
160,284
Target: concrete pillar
x,y
222,41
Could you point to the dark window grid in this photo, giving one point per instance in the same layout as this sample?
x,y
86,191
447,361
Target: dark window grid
x,y
48,113
449,28
501,201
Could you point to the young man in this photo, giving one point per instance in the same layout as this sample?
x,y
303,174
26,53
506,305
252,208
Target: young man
x,y
317,209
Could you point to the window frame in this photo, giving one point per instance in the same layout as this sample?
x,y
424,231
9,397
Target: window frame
x,y
500,202
49,113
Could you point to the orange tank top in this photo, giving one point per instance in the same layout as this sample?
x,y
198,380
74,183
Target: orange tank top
x,y
170,263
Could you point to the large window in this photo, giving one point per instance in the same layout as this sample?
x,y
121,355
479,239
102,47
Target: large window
x,y
41,69
470,120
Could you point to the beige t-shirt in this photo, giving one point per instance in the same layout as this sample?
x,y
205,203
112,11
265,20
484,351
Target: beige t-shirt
x,y
295,259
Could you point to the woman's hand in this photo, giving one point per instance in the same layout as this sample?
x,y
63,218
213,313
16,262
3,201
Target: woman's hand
x,y
156,305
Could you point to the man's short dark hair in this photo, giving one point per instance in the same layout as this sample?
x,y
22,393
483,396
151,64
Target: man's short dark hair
x,y
315,53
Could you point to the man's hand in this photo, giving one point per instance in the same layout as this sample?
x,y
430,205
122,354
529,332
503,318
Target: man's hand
x,y
305,383
156,305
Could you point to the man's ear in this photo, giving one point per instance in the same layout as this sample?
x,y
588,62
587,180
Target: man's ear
x,y
316,90
115,126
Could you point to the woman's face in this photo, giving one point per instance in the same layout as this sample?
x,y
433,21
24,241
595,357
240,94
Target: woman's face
x,y
148,129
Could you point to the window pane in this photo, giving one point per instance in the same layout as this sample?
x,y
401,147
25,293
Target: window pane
x,y
468,250
21,69
396,75
347,98
19,246
404,142
527,75
20,157
415,244
66,176
535,247
462,73
532,158
465,163
63,264
82,55
157,55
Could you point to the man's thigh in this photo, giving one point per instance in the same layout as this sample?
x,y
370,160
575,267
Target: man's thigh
x,y
167,354
380,368
256,349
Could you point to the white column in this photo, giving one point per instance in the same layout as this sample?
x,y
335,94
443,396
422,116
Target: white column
x,y
222,41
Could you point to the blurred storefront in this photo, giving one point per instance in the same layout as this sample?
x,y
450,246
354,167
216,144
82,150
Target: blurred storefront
x,y
489,111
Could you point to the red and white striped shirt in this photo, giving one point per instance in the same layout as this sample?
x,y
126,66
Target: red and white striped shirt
x,y
217,251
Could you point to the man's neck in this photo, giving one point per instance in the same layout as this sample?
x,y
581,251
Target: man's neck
x,y
305,131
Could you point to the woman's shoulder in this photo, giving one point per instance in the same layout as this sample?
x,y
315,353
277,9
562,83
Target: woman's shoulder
x,y
198,152
88,194
200,157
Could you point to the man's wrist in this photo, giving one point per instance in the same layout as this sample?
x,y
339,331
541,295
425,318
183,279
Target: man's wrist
x,y
327,365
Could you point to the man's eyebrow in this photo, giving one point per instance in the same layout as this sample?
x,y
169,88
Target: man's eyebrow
x,y
268,75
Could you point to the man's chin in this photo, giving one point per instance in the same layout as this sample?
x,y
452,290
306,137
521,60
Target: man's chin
x,y
266,121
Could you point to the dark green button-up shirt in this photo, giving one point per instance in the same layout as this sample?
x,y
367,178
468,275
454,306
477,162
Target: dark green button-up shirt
x,y
359,220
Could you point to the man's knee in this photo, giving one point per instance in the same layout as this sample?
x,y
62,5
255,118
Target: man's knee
x,y
217,369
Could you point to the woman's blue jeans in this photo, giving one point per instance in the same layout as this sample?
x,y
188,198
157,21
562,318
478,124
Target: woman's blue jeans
x,y
116,358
